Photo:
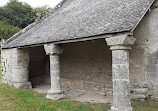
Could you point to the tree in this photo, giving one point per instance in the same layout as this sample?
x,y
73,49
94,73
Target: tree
x,y
7,31
17,14
42,10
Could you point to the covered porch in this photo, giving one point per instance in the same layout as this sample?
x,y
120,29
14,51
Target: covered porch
x,y
119,44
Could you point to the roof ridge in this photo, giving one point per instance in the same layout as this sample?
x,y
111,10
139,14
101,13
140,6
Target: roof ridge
x,y
38,20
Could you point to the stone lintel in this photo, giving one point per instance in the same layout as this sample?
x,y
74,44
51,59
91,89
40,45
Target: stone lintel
x,y
123,42
53,49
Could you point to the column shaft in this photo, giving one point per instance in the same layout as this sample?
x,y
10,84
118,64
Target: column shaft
x,y
121,82
55,73
55,93
120,44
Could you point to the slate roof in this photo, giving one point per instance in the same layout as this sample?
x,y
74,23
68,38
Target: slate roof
x,y
84,18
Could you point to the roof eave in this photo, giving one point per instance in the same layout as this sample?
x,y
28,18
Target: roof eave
x,y
101,36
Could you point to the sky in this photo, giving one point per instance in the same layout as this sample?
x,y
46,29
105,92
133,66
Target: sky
x,y
35,3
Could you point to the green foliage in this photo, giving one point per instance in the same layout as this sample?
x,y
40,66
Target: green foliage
x,y
7,31
17,14
41,10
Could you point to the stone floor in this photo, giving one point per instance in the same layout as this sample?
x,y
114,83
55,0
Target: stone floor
x,y
77,95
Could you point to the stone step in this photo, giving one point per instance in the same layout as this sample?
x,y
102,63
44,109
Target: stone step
x,y
135,93
139,93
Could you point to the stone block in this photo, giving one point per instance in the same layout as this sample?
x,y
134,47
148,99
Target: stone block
x,y
120,57
53,49
140,91
23,85
109,93
55,95
20,75
122,39
120,71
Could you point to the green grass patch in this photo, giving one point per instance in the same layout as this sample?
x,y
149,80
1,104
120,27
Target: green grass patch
x,y
147,105
13,99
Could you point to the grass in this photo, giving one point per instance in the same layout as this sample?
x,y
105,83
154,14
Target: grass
x,y
12,99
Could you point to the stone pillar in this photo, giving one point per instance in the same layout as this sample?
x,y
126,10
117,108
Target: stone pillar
x,y
120,71
20,72
55,93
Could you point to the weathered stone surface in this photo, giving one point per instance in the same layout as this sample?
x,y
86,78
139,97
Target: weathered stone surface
x,y
120,71
88,61
15,67
55,96
121,87
53,51
121,109
139,93
20,75
120,40
120,57
23,85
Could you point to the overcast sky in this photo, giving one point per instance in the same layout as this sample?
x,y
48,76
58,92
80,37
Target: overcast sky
x,y
35,3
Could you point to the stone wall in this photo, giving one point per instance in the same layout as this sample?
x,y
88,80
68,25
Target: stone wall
x,y
144,53
101,89
15,67
87,61
91,87
87,66
7,65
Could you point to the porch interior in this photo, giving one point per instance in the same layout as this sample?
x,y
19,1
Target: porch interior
x,y
85,71
38,67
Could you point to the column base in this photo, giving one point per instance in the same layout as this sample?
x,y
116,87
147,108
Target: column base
x,y
121,109
23,85
55,95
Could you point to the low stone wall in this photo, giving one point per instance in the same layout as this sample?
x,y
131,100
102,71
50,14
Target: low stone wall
x,y
92,87
102,89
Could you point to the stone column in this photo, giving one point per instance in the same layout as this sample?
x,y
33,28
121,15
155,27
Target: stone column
x,y
120,71
20,72
55,93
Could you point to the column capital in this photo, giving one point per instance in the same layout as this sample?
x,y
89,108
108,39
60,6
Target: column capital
x,y
120,42
53,49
